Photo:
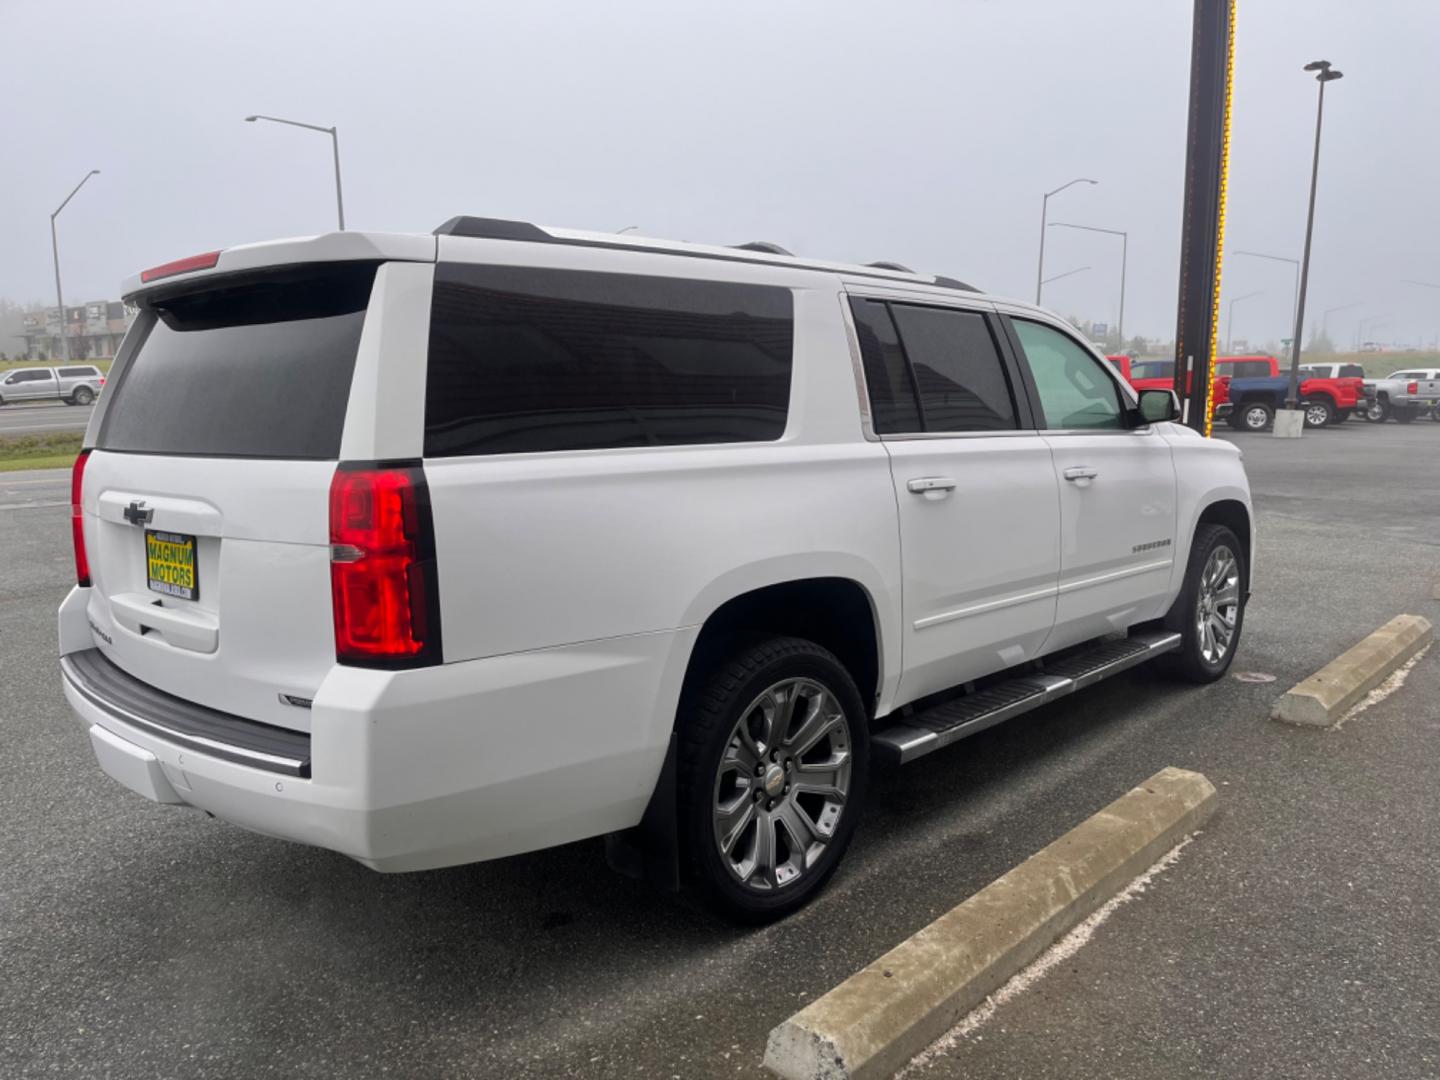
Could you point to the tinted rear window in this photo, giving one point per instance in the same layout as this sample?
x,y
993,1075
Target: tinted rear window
x,y
257,368
80,372
531,359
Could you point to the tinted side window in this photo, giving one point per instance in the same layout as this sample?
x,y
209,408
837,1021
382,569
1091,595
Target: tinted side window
x,y
1248,369
527,359
256,367
80,372
958,369
1075,392
887,377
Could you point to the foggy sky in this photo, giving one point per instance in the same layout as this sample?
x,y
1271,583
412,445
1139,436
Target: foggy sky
x,y
917,131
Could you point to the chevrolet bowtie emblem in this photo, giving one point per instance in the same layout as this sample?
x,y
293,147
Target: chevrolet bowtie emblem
x,y
137,513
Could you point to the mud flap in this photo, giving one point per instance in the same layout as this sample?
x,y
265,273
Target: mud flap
x,y
651,850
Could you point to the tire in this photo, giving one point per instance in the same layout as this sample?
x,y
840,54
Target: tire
x,y
1403,414
83,396
721,729
1195,661
1318,413
1377,412
1255,416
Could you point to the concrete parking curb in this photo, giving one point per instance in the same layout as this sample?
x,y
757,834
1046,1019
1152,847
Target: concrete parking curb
x,y
876,1020
1323,698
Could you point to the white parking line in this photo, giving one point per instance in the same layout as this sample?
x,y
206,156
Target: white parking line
x,y
31,505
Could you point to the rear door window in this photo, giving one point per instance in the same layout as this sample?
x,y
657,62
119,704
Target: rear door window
x,y
256,367
527,359
79,372
958,370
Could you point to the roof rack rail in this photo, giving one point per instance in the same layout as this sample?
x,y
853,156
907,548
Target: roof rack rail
x,y
480,228
484,228
765,246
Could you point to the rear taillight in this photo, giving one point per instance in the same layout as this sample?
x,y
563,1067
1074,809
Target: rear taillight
x,y
77,519
1413,388
382,567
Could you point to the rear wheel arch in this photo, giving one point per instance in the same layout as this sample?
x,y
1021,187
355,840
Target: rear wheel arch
x,y
837,613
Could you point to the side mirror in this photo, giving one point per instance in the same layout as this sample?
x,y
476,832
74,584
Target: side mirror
x,y
1158,406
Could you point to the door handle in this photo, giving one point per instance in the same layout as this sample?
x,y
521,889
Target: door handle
x,y
1081,472
931,487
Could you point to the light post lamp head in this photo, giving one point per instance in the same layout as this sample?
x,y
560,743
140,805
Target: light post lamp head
x,y
251,119
1324,73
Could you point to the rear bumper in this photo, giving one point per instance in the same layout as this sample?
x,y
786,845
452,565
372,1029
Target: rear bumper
x,y
411,770
1224,409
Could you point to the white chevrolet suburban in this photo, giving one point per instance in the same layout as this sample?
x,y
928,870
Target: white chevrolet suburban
x,y
434,549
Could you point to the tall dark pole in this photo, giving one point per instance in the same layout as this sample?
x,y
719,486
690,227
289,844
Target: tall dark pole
x,y
1212,56
1324,74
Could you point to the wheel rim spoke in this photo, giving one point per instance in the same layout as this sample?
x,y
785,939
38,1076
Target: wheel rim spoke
x,y
734,820
821,717
765,851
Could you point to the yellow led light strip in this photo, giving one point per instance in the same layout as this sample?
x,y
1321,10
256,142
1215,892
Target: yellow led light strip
x,y
1220,222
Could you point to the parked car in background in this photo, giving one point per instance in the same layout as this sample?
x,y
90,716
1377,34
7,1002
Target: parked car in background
x,y
1332,371
1257,388
1404,395
74,384
504,537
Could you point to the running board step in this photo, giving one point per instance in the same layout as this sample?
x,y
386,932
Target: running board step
x,y
953,720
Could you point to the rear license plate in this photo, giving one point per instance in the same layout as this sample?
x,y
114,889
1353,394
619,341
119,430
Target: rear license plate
x,y
170,564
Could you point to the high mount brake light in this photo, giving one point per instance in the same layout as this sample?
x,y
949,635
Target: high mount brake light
x,y
382,567
206,261
77,519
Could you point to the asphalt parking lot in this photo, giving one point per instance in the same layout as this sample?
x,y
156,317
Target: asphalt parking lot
x,y
1297,936
26,419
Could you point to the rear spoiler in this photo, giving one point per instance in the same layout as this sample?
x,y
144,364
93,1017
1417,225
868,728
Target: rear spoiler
x,y
328,247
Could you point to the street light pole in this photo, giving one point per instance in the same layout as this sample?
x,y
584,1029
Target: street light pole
x,y
1372,320
1044,214
55,251
1124,259
1295,300
1323,73
1325,316
335,145
1230,319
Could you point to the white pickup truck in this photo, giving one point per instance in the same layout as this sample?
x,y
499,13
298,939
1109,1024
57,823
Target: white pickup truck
x,y
1404,395
504,537
77,384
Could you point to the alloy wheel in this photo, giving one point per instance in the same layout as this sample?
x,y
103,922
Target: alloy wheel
x,y
1217,607
782,784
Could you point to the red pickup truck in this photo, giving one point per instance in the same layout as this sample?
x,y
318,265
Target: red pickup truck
x,y
1252,404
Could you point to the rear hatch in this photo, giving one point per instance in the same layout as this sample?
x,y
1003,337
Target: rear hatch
x,y
208,533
